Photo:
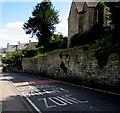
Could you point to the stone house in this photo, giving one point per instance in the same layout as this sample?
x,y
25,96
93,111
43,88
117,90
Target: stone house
x,y
20,46
11,48
82,16
32,45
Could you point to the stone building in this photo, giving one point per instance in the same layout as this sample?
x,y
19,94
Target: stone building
x,y
82,16
11,48
20,46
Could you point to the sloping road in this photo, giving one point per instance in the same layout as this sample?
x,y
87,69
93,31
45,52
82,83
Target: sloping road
x,y
49,96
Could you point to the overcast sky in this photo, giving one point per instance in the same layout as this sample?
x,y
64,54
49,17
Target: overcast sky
x,y
14,14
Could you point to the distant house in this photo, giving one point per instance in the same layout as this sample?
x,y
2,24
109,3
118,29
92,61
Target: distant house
x,y
82,16
20,46
11,48
32,45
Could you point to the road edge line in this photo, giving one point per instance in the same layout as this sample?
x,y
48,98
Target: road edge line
x,y
22,97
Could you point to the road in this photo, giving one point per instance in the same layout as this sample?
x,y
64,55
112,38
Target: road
x,y
49,96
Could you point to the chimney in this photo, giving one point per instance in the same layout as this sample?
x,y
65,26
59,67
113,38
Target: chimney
x,y
18,43
18,47
29,41
7,47
29,44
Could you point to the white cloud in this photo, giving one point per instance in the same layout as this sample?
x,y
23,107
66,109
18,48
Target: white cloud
x,y
12,33
62,27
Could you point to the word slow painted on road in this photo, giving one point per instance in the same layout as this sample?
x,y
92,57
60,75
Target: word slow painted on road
x,y
40,90
50,95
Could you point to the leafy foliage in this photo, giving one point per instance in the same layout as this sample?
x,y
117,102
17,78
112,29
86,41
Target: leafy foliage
x,y
58,41
39,55
29,52
42,22
98,38
105,40
14,58
103,49
115,16
110,42
88,37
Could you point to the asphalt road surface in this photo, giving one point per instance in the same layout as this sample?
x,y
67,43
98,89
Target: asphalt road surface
x,y
50,96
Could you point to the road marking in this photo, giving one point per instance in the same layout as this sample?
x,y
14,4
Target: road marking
x,y
64,100
35,107
87,87
46,103
56,101
35,82
61,101
33,90
49,102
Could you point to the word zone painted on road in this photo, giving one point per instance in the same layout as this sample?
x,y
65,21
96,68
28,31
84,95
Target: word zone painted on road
x,y
53,96
61,101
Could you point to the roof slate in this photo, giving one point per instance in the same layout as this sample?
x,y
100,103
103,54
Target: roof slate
x,y
12,48
22,46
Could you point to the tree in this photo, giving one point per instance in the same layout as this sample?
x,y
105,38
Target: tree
x,y
115,17
14,58
42,22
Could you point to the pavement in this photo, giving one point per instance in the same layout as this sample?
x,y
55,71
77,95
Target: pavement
x,y
10,99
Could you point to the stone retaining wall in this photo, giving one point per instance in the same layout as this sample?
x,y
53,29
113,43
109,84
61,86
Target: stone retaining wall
x,y
12,69
77,66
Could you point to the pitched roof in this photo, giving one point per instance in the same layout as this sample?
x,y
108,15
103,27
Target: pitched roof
x,y
11,48
32,45
22,46
80,5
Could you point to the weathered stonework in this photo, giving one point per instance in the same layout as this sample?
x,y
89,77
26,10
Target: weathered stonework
x,y
12,69
83,15
77,66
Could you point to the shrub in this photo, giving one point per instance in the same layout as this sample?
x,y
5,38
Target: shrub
x,y
56,42
29,52
88,37
39,55
8,59
99,38
14,58
103,49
